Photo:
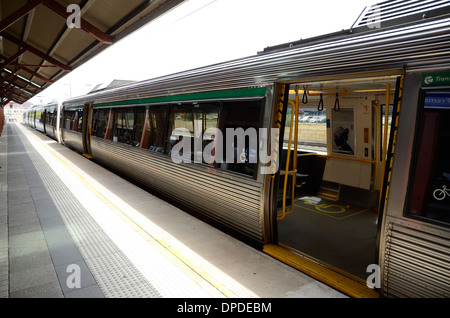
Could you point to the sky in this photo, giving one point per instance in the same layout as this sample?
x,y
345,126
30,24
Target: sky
x,y
204,32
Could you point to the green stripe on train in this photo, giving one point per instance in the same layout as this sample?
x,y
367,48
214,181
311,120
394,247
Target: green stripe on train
x,y
236,93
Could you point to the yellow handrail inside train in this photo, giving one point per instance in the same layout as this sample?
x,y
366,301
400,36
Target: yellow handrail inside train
x,y
287,172
323,90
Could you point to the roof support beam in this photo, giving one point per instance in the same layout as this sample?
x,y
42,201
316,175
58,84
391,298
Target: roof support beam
x,y
31,65
7,77
18,14
14,78
23,67
6,88
26,69
59,9
10,59
13,84
14,90
35,51
16,98
86,26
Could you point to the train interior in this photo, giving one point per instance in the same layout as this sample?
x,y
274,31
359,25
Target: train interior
x,y
334,155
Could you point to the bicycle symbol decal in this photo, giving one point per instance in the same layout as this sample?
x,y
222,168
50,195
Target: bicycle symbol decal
x,y
440,194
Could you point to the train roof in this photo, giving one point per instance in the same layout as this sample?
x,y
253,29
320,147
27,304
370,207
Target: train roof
x,y
382,15
53,103
409,43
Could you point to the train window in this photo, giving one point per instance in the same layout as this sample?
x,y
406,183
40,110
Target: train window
x,y
191,121
78,123
429,193
245,115
73,120
206,117
67,119
123,126
311,121
54,118
100,122
39,116
180,118
49,118
138,126
154,129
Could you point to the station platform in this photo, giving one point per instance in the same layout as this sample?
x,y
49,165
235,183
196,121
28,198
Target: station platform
x,y
71,229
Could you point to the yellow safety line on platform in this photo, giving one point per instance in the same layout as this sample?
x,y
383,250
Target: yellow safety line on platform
x,y
141,231
332,278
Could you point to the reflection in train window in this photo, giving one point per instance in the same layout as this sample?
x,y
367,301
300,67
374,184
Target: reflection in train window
x,y
39,116
50,118
67,119
154,129
429,195
191,121
100,121
180,125
73,120
245,115
140,113
123,126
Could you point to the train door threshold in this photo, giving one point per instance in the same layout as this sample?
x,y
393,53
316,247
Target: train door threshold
x,y
345,283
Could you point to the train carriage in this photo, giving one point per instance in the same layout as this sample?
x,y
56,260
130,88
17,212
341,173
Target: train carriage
x,y
44,118
342,164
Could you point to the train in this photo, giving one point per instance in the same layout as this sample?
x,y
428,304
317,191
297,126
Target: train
x,y
330,153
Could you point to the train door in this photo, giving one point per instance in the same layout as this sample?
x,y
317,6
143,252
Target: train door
x,y
415,236
87,130
335,143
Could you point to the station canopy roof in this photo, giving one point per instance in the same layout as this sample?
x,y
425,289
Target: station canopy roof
x,y
37,47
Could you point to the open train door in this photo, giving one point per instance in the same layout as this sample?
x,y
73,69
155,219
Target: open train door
x,y
281,100
87,130
337,137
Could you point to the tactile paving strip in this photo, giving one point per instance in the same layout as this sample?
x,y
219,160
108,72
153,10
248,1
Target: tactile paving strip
x,y
122,262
